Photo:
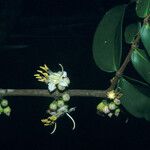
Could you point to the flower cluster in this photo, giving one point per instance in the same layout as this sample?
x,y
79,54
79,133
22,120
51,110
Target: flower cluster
x,y
58,108
54,80
4,108
110,106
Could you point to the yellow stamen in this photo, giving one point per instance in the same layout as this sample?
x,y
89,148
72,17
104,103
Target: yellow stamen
x,y
42,80
46,67
46,124
43,120
111,94
36,75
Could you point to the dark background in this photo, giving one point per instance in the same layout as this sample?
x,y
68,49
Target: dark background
x,y
35,32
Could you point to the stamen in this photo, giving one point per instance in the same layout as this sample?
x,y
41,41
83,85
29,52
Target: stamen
x,y
55,126
74,124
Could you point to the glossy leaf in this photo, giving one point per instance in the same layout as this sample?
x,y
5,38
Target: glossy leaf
x,y
131,31
107,44
145,36
136,98
143,8
141,63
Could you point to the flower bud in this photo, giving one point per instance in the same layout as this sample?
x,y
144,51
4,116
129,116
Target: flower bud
x,y
101,106
117,101
7,111
61,88
110,115
112,106
117,111
60,103
53,106
4,102
106,110
66,97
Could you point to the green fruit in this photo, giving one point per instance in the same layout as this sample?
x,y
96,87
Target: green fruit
x,y
112,106
66,97
117,111
60,103
53,106
7,111
4,103
101,105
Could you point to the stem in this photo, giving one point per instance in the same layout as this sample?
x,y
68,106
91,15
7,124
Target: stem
x,y
45,93
125,63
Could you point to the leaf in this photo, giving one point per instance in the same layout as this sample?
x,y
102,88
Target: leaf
x,y
145,36
136,98
131,31
141,63
143,8
107,44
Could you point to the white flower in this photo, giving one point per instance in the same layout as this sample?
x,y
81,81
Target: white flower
x,y
58,80
53,79
64,82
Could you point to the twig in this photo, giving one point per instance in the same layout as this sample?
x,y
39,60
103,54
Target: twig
x,y
45,93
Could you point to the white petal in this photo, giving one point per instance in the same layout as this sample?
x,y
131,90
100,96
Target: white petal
x,y
63,83
54,78
64,74
67,80
51,87
59,72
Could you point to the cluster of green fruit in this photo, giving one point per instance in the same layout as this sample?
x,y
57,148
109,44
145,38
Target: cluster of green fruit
x,y
4,108
109,108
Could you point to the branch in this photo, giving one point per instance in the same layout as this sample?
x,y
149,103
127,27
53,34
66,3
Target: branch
x,y
125,63
45,93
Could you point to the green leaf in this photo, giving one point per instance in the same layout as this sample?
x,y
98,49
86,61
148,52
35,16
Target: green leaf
x,y
143,8
131,31
136,98
145,36
141,63
107,44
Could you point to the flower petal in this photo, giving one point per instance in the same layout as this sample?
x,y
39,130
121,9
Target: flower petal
x,y
64,74
63,83
51,87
